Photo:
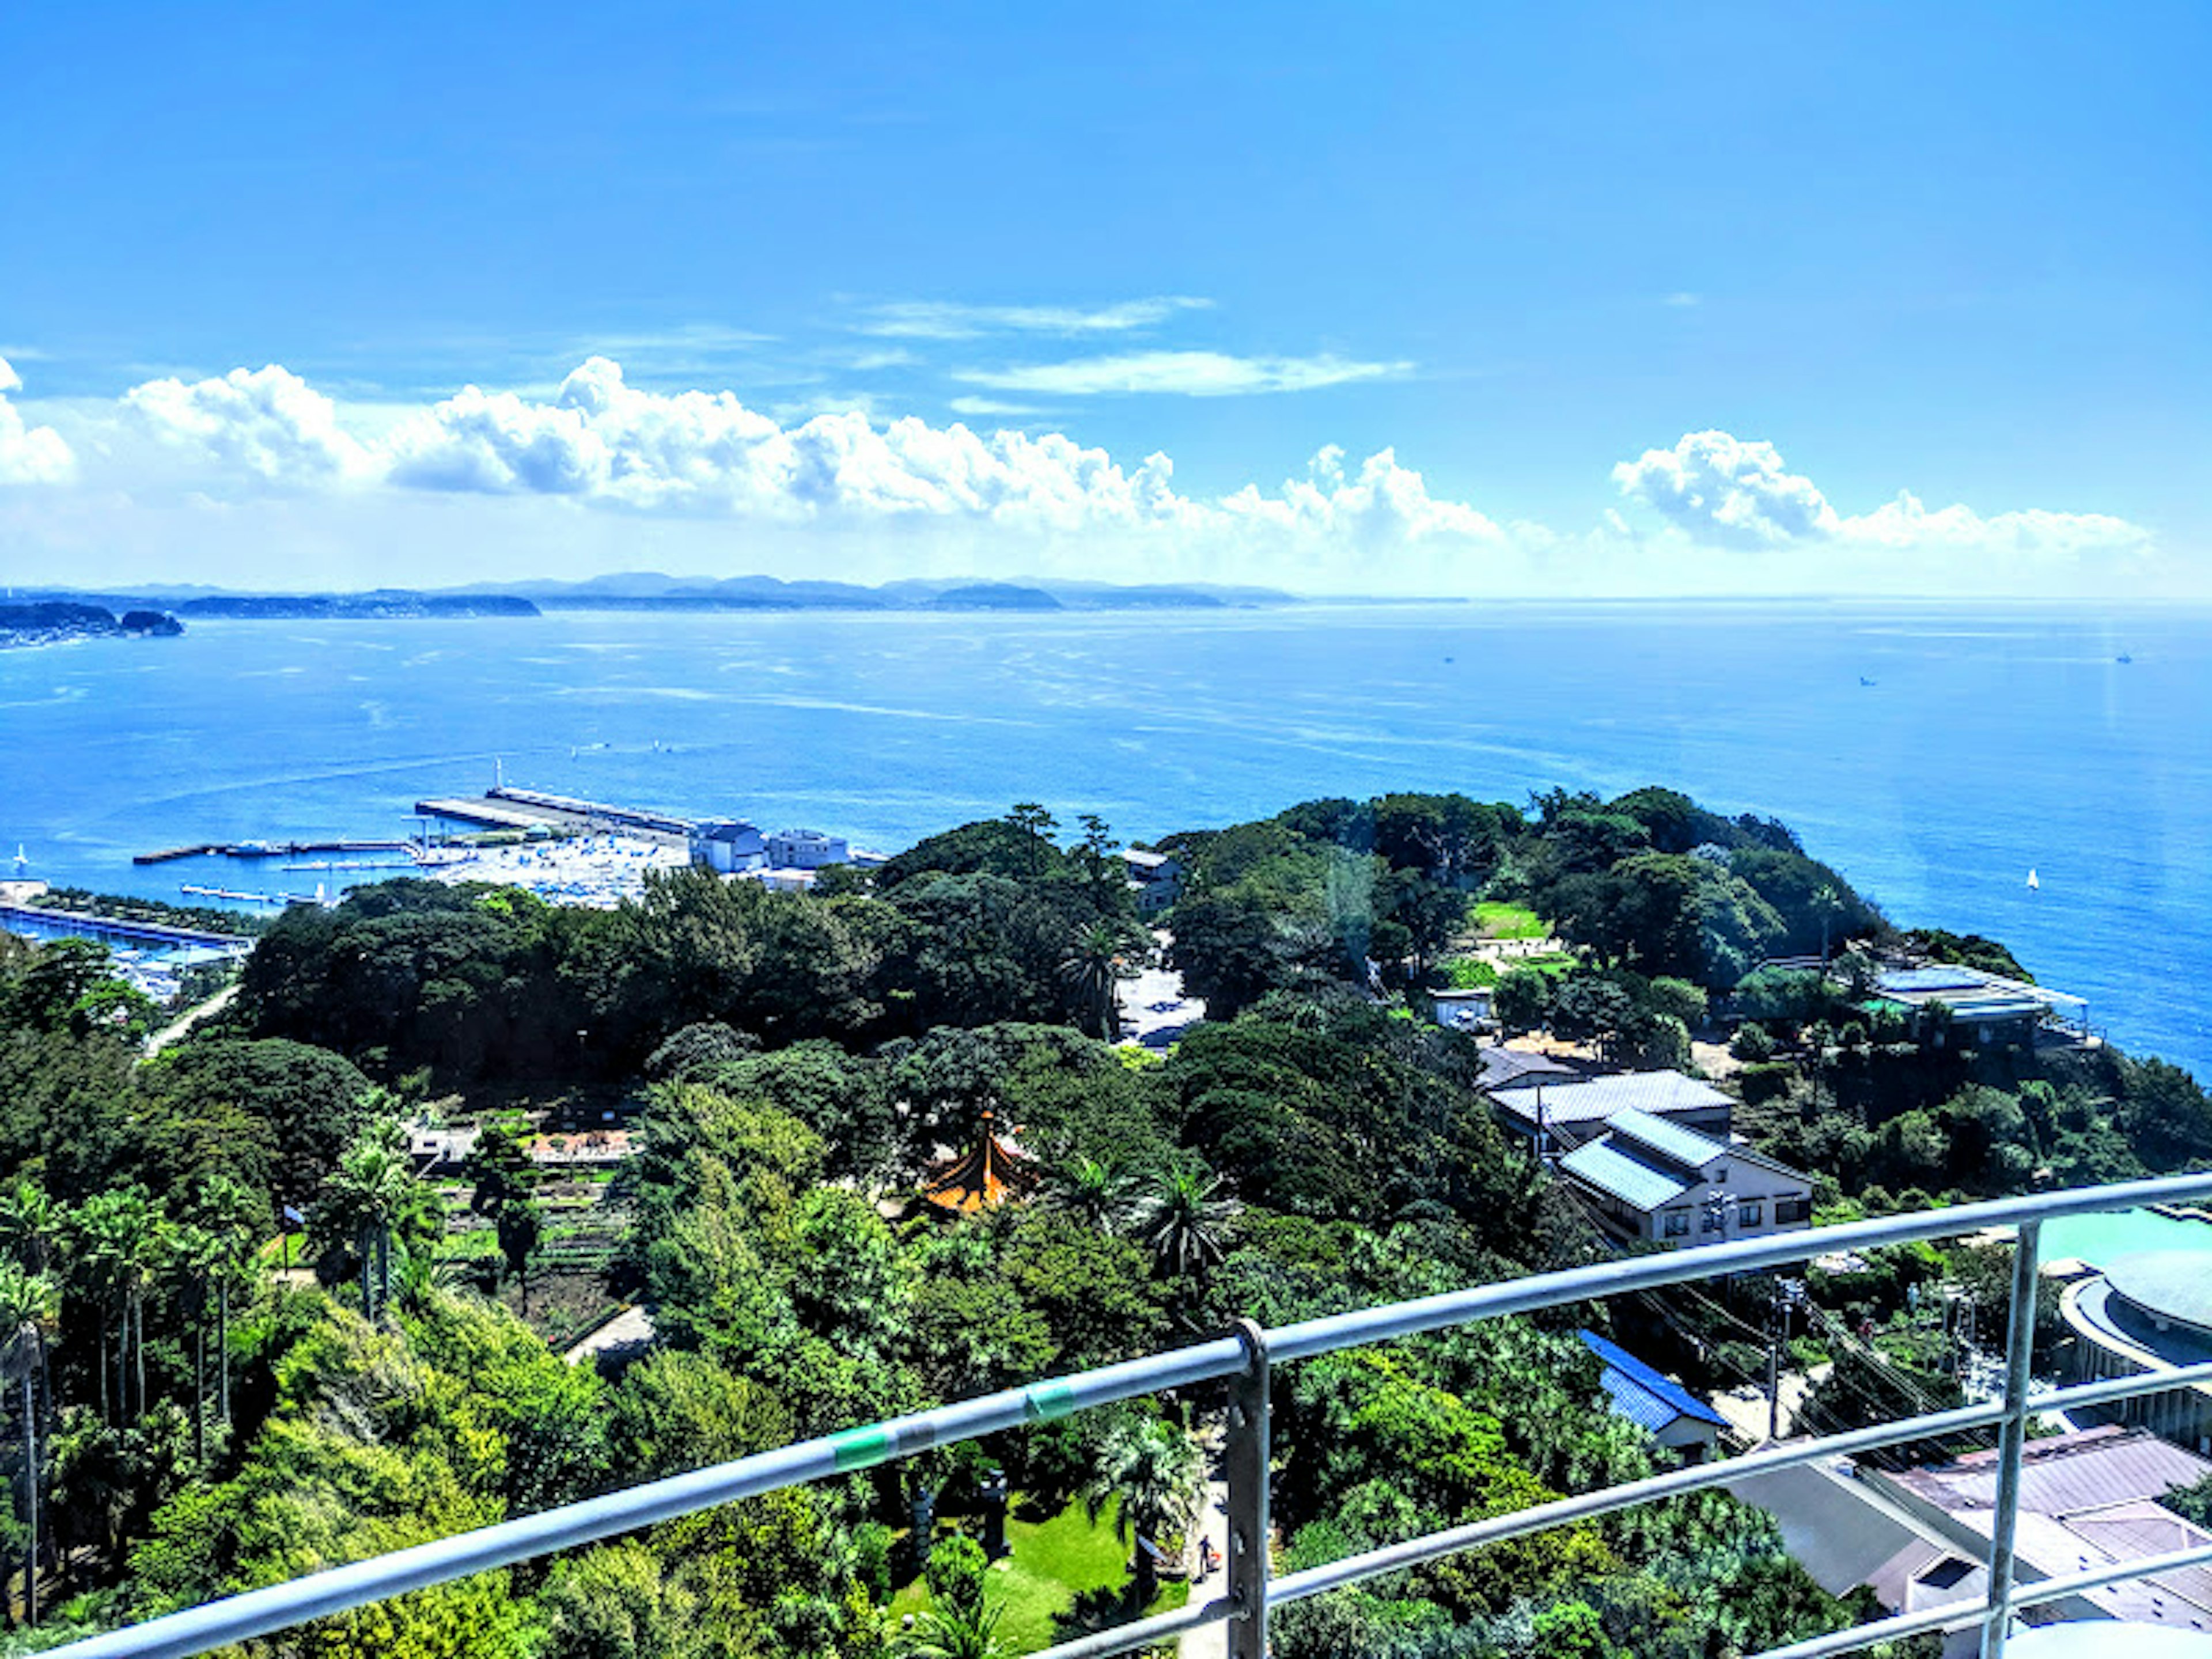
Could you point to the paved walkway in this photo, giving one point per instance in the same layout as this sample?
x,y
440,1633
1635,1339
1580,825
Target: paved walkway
x,y
1155,1012
631,1325
1210,1641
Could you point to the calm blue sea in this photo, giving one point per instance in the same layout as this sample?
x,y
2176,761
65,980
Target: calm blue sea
x,y
1991,741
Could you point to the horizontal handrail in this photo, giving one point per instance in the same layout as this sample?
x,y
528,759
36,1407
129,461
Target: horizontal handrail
x,y
1518,1296
338,1590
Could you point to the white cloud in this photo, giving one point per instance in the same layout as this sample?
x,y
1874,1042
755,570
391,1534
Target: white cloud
x,y
967,404
1185,374
1727,490
1384,502
934,319
29,454
1683,299
1732,492
592,471
267,420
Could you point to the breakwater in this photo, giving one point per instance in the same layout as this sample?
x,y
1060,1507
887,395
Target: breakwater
x,y
263,849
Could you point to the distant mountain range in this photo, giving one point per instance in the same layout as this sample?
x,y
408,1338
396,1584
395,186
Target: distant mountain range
x,y
650,590
639,590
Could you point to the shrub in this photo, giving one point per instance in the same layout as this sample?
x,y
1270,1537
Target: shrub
x,y
1752,1043
1767,1080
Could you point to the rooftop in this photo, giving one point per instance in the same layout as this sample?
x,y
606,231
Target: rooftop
x,y
2065,1473
1671,1140
2088,1498
1641,1182
1586,1099
2170,1285
1973,994
1646,1397
1506,1068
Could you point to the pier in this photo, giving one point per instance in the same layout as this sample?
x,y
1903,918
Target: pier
x,y
506,808
591,811
263,849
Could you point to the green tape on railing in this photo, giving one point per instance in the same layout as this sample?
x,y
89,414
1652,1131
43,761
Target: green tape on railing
x,y
1048,1400
860,1448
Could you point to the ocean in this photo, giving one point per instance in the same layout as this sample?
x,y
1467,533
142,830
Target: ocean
x,y
1936,754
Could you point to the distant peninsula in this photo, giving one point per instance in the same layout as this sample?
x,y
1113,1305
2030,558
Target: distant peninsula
x,y
49,621
640,590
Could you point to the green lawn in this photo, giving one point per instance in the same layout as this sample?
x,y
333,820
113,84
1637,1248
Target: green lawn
x,y
1555,963
1494,920
1053,1561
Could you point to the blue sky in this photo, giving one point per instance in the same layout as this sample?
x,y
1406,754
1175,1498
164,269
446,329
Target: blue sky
x,y
1622,299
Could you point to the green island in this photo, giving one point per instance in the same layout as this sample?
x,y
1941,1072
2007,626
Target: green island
x,y
460,1207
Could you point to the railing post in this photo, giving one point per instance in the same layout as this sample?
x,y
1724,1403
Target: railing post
x,y
1247,1468
2012,1433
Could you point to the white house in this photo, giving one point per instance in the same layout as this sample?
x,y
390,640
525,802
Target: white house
x,y
806,849
1155,878
1645,1178
727,845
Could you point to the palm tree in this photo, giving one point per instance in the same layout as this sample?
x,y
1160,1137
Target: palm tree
x,y
367,1193
192,1257
1097,1195
1090,968
237,1220
1153,1473
28,1306
954,1633
1186,1222
29,1224
116,1235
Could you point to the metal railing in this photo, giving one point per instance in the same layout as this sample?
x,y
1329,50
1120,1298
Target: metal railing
x,y
1246,1359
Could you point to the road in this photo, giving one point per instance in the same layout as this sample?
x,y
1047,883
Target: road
x,y
1745,1408
191,1017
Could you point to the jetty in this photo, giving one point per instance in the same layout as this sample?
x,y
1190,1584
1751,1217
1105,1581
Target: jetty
x,y
504,807
263,849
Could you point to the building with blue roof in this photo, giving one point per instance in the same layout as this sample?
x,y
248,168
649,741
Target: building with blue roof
x,y
1663,1408
1649,1178
1946,1003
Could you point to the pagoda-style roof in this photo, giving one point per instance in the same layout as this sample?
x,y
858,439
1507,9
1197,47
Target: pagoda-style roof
x,y
984,1177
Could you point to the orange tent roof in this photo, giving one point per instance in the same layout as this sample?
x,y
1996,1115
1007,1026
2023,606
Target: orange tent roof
x,y
982,1178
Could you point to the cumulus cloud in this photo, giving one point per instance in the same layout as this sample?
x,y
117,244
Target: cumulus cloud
x,y
1383,501
933,319
1737,493
599,440
1185,374
899,492
29,454
1728,490
267,420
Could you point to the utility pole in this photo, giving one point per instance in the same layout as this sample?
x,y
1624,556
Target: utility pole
x,y
1786,1293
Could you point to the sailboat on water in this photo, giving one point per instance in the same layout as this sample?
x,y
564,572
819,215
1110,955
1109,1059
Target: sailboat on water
x,y
2034,885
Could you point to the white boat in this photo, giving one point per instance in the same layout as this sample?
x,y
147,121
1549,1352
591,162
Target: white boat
x,y
2032,883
